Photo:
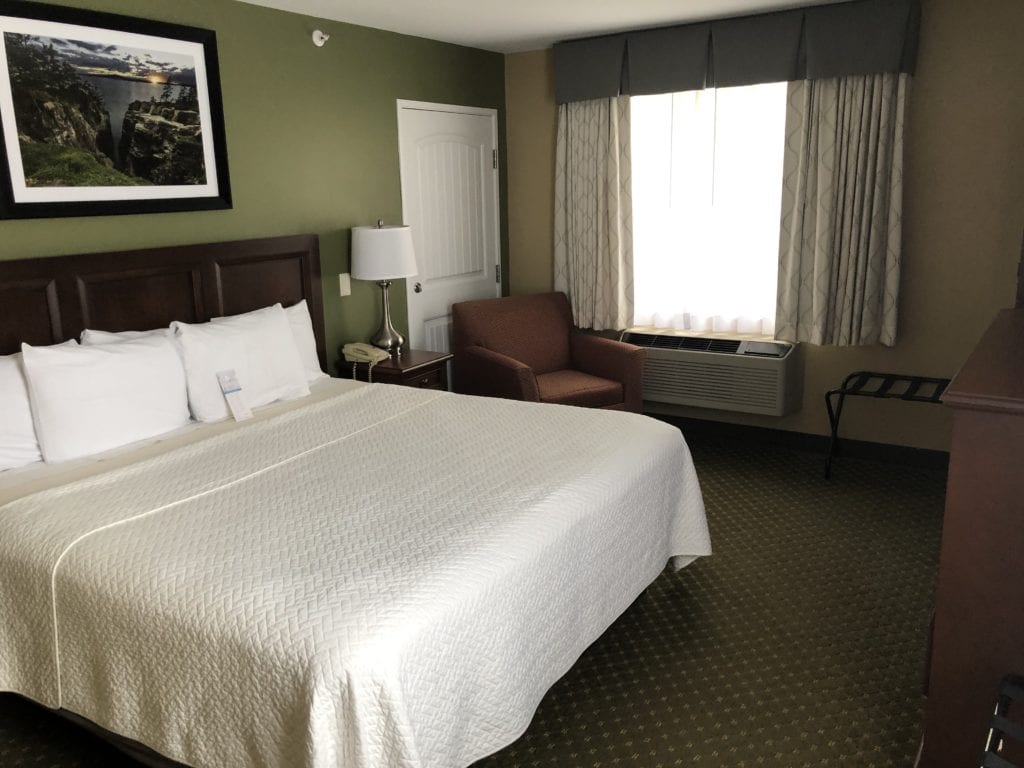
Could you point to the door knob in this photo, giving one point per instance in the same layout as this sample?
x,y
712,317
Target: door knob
x,y
418,288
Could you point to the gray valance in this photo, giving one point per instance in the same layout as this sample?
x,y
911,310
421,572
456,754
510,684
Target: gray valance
x,y
667,60
594,65
853,38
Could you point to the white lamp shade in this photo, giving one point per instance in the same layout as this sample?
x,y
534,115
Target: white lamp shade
x,y
382,253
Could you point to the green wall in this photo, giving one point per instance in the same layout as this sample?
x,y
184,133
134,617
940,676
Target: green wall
x,y
312,141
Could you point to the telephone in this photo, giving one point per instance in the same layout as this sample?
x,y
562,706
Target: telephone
x,y
356,353
364,353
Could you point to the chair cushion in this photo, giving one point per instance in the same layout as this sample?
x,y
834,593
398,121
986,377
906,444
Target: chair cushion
x,y
531,329
577,388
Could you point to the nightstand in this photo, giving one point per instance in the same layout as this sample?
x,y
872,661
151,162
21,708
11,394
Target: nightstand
x,y
415,368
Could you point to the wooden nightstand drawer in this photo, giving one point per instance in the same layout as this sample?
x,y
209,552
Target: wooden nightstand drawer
x,y
432,379
423,370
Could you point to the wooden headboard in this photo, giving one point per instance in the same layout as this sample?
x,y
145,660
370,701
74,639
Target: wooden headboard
x,y
49,300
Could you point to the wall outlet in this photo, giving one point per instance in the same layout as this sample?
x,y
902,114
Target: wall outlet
x,y
344,284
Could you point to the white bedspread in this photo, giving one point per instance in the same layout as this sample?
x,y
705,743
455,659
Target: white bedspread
x,y
388,577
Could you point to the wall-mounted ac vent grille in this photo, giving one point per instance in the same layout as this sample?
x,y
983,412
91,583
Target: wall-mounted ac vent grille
x,y
764,377
695,343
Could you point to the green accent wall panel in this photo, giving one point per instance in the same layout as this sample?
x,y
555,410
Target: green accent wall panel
x,y
312,138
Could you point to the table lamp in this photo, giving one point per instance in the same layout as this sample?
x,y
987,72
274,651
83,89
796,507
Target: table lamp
x,y
383,253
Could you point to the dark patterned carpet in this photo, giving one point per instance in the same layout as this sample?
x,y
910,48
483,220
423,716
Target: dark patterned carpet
x,y
801,642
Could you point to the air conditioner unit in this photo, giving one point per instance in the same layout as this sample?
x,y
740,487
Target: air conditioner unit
x,y
749,376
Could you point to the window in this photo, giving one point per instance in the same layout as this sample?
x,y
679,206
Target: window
x,y
707,192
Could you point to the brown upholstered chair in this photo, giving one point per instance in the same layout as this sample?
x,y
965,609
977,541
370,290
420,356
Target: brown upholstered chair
x,y
525,348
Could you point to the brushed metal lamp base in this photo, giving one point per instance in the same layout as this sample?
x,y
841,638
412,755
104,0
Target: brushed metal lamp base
x,y
387,338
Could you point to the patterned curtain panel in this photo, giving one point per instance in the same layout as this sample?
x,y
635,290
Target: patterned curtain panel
x,y
594,212
842,205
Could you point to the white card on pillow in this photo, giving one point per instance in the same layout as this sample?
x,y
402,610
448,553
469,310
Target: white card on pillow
x,y
258,346
86,400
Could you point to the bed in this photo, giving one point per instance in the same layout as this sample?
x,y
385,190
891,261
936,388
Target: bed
x,y
371,576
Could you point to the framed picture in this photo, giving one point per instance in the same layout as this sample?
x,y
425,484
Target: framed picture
x,y
105,114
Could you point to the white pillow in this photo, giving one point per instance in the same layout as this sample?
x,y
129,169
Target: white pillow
x,y
90,399
18,444
91,338
305,339
258,346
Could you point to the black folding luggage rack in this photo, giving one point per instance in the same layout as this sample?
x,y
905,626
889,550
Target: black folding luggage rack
x,y
1011,691
890,386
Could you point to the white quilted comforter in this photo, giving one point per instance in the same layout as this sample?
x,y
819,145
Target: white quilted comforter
x,y
388,577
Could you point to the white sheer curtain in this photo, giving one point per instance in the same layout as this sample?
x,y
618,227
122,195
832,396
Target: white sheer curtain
x,y
593,213
707,186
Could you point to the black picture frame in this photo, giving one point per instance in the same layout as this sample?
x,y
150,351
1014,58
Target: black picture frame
x,y
96,62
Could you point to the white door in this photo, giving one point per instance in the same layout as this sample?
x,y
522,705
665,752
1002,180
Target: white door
x,y
449,169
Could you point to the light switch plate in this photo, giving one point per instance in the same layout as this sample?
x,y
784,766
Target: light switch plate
x,y
344,284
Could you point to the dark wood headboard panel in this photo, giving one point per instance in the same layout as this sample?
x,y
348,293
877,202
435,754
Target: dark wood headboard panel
x,y
49,300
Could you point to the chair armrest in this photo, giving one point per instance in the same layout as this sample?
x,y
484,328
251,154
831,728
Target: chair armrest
x,y
481,371
613,360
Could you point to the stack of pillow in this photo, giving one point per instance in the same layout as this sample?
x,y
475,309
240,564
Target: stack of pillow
x,y
68,401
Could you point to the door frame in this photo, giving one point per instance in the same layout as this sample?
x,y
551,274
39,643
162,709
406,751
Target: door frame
x,y
492,113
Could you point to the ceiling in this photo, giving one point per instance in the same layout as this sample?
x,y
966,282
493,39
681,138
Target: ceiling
x,y
509,26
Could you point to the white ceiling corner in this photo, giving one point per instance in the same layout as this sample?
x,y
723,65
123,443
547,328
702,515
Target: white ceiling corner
x,y
523,25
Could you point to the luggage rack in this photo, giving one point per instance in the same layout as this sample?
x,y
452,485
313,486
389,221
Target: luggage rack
x,y
890,386
1011,691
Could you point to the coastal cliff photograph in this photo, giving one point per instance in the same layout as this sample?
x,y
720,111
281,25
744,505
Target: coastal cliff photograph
x,y
103,114
90,115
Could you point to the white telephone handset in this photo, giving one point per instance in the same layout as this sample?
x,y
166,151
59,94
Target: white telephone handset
x,y
363,353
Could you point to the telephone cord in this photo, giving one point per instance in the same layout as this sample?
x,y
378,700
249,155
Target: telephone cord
x,y
369,371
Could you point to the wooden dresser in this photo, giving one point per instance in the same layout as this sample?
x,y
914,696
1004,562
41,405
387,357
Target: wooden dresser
x,y
979,612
